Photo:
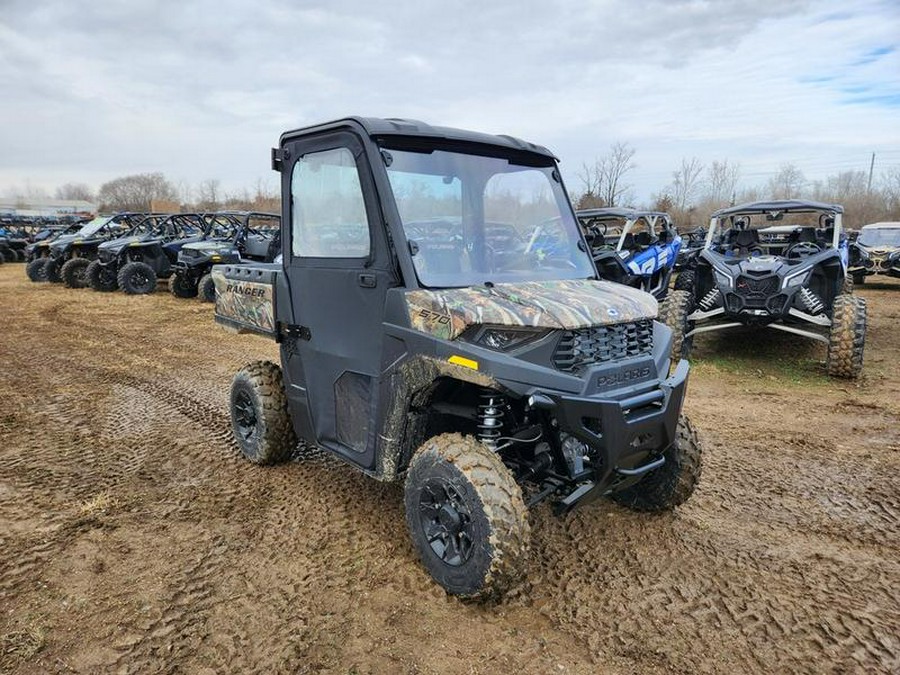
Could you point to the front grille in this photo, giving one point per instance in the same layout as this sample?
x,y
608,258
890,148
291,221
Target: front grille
x,y
578,349
755,292
105,255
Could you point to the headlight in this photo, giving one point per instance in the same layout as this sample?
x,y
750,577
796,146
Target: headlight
x,y
504,338
722,279
796,279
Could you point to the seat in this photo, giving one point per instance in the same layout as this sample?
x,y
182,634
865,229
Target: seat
x,y
743,242
644,239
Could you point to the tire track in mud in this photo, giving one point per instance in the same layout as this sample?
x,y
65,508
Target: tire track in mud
x,y
785,560
153,644
604,587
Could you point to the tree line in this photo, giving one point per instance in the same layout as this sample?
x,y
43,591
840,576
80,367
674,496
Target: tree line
x,y
697,189
146,191
694,192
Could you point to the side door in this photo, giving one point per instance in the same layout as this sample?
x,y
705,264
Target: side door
x,y
339,270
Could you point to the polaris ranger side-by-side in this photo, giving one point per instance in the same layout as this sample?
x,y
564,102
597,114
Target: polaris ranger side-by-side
x,y
487,380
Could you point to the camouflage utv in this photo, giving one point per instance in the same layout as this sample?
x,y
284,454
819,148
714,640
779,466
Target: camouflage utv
x,y
415,347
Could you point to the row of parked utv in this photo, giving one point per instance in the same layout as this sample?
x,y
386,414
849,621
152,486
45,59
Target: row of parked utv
x,y
786,265
131,252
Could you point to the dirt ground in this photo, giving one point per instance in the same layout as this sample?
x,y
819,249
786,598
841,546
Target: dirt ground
x,y
133,538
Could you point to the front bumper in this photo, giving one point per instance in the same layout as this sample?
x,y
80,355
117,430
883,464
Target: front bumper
x,y
871,266
627,435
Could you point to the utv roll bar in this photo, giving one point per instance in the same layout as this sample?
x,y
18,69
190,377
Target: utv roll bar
x,y
777,206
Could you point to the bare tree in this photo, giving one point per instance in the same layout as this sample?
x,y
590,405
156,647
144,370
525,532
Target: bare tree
x,y
846,185
721,182
590,184
75,191
686,183
136,193
184,192
890,191
208,195
266,198
603,183
612,170
788,183
29,193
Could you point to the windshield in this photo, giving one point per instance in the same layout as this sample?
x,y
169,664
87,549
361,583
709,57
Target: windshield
x,y
880,236
470,219
93,226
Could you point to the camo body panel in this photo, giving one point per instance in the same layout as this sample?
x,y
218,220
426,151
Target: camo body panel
x,y
567,305
247,303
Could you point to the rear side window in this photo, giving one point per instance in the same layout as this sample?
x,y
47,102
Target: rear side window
x,y
328,213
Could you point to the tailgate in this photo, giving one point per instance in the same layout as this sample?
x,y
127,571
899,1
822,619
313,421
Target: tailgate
x,y
245,297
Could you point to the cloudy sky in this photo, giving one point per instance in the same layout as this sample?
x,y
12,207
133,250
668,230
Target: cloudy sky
x,y
199,89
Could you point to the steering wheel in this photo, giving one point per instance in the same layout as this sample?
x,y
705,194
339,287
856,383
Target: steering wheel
x,y
558,262
802,248
596,228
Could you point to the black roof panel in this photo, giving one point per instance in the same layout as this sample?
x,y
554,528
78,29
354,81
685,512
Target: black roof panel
x,y
377,127
778,205
619,212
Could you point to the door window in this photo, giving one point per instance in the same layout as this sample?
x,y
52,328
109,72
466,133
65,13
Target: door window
x,y
328,211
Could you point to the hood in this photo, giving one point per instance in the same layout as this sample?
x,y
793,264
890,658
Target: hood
x,y
763,265
116,244
210,245
568,305
65,240
61,240
176,244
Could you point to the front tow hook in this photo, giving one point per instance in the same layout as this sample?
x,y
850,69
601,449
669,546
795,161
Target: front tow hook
x,y
655,464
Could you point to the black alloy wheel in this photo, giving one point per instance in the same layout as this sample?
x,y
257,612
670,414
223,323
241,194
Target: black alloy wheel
x,y
446,522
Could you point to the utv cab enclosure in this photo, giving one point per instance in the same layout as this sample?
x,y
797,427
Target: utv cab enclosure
x,y
774,264
416,350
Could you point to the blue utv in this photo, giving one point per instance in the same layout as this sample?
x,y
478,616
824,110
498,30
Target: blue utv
x,y
632,247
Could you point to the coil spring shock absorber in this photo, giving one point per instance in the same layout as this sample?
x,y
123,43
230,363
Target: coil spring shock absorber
x,y
490,417
709,300
811,301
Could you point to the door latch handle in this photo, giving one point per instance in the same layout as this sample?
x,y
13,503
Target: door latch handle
x,y
367,280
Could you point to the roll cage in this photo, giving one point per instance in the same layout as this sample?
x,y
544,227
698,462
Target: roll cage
x,y
735,230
